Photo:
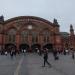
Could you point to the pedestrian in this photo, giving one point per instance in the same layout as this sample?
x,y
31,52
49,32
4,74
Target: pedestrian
x,y
24,51
64,52
72,54
55,54
11,54
6,53
46,58
38,51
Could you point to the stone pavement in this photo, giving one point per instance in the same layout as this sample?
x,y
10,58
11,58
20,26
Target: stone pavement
x,y
31,64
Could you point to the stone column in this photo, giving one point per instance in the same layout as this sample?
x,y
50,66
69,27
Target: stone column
x,y
30,41
1,41
38,39
41,40
54,42
17,41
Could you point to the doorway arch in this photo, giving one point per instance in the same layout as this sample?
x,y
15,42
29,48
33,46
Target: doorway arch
x,y
49,46
34,47
9,46
24,46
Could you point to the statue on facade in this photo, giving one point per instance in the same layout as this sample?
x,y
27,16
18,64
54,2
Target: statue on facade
x,y
55,21
1,19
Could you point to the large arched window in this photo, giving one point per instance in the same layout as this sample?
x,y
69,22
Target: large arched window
x,y
34,37
24,37
46,35
10,36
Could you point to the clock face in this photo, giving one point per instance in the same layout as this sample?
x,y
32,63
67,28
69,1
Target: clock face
x,y
29,26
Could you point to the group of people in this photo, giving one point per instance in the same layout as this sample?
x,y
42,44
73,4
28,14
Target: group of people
x,y
45,54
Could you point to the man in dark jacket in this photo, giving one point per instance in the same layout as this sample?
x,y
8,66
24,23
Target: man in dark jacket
x,y
46,58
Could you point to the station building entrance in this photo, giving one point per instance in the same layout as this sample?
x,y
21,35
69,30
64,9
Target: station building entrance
x,y
30,33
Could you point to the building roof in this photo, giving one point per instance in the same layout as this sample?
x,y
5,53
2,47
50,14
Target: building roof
x,y
64,34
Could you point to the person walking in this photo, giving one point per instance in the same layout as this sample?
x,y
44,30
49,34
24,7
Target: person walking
x,y
46,58
5,52
55,54
72,53
11,54
24,51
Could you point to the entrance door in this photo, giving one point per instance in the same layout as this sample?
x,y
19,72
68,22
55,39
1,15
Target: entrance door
x,y
9,46
24,46
35,47
49,47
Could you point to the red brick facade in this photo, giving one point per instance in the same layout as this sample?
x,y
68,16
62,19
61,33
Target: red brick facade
x,y
32,30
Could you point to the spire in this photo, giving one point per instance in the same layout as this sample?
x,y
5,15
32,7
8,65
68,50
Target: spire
x,y
55,21
1,19
71,30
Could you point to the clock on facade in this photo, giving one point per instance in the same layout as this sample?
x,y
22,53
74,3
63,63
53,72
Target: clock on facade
x,y
29,26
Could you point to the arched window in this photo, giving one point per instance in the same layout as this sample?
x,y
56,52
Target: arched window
x,y
10,36
46,36
34,37
24,37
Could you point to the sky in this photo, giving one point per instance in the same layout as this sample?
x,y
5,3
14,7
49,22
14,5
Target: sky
x,y
62,10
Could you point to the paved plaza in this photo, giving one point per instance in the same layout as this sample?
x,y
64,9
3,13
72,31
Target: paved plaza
x,y
31,64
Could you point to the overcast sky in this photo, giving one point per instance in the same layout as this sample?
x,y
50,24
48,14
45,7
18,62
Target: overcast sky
x,y
62,10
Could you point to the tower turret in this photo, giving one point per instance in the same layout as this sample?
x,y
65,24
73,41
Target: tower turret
x,y
71,30
1,19
72,37
55,21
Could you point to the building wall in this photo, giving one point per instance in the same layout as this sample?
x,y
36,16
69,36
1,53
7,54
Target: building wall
x,y
20,30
